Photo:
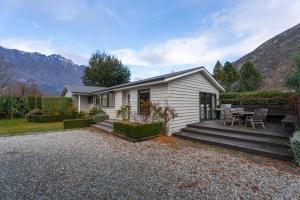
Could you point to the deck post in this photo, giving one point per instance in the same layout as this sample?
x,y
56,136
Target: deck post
x,y
79,103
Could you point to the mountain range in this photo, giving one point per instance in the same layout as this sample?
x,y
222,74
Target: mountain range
x,y
49,72
274,57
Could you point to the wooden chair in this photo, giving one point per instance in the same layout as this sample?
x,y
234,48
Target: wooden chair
x,y
229,117
224,106
257,118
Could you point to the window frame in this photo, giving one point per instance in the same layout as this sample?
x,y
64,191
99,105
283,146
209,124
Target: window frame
x,y
105,106
109,96
139,100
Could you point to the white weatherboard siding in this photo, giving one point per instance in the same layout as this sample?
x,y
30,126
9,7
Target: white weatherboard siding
x,y
183,95
112,112
158,94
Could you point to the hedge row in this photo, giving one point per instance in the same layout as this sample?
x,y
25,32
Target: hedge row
x,y
256,101
57,105
51,118
258,94
295,144
77,123
137,131
34,102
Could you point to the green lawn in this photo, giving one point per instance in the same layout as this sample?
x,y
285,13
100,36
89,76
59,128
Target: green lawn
x,y
21,126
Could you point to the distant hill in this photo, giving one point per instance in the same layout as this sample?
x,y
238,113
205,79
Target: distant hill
x,y
274,57
49,72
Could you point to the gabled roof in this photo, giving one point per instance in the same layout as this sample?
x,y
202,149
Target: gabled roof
x,y
81,89
165,78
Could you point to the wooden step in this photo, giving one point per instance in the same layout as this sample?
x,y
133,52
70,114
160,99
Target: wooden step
x,y
276,142
228,129
250,147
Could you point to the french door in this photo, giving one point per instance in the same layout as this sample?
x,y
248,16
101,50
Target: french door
x,y
207,106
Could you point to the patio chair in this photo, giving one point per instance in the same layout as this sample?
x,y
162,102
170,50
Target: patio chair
x,y
257,118
224,106
265,111
229,117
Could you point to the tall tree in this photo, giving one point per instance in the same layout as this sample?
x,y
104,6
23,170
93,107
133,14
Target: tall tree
x,y
292,79
218,72
231,76
250,77
105,71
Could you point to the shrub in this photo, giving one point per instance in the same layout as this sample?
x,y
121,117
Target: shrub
x,y
12,107
77,123
137,131
100,117
295,144
57,106
96,110
123,112
34,102
51,118
256,101
35,111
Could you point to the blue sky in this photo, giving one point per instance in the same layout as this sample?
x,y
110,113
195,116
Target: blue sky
x,y
151,37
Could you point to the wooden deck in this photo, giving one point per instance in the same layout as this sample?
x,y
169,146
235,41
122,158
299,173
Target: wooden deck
x,y
271,128
270,142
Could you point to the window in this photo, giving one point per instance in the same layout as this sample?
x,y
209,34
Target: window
x,y
90,99
144,99
108,100
98,101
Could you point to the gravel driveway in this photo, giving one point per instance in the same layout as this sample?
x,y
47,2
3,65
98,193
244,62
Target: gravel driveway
x,y
83,164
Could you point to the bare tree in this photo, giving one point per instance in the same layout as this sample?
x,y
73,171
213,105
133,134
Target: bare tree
x,y
5,74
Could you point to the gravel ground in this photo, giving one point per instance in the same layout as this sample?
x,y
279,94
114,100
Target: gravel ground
x,y
83,164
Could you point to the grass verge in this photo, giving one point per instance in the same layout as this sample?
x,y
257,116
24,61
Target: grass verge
x,y
22,126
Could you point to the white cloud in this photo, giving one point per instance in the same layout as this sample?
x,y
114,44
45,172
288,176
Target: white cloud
x,y
233,32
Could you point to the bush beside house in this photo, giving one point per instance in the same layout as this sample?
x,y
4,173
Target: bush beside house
x,y
57,105
295,145
137,131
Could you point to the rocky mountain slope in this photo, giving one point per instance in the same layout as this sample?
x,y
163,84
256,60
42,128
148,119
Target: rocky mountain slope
x,y
274,57
49,72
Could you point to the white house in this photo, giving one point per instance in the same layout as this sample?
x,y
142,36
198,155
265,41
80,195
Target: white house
x,y
193,93
83,96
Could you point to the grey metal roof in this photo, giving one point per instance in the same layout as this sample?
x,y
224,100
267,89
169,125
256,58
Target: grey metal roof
x,y
152,79
81,89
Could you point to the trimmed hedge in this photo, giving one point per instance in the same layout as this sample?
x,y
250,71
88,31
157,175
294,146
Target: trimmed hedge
x,y
272,97
77,123
137,131
295,145
256,101
51,118
57,106
34,102
258,94
100,117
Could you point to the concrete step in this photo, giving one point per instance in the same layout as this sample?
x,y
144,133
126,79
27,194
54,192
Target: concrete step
x,y
102,128
250,147
107,124
276,142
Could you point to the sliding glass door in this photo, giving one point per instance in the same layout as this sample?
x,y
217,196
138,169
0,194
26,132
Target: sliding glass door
x,y
207,106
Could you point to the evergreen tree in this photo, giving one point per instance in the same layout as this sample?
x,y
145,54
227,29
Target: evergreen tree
x,y
218,72
292,79
231,76
105,71
250,77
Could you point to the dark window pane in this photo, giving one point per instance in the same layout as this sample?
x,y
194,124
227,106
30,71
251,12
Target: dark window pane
x,y
90,99
144,100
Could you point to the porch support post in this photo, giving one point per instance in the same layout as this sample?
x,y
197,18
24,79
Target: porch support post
x,y
79,103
